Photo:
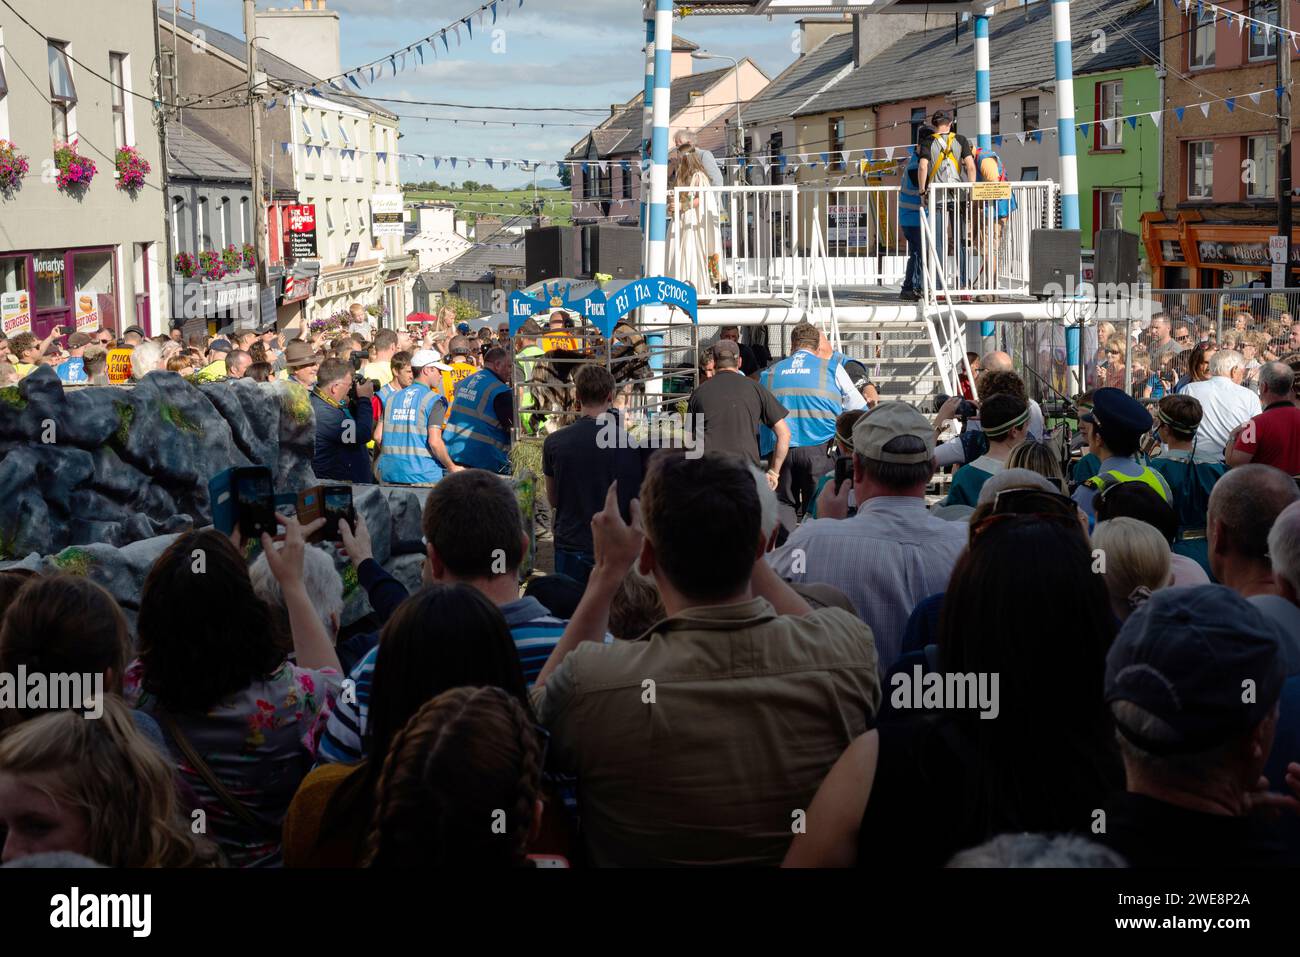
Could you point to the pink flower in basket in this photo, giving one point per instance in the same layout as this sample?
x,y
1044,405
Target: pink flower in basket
x,y
132,168
13,167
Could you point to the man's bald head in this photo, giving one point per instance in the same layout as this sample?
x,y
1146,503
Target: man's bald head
x,y
996,362
1243,507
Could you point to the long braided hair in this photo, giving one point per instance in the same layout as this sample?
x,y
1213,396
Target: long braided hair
x,y
460,785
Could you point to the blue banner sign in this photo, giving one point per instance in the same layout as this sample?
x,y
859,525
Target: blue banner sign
x,y
601,311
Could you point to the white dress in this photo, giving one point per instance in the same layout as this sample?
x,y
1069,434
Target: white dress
x,y
695,255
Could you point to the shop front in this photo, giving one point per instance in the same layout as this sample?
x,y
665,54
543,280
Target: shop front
x,y
78,288
1187,253
219,303
295,285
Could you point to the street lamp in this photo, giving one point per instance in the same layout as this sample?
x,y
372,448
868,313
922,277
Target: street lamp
x,y
740,121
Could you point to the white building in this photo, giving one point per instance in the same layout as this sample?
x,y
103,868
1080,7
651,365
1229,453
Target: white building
x,y
96,255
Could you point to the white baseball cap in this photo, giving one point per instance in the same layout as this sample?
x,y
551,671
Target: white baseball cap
x,y
424,357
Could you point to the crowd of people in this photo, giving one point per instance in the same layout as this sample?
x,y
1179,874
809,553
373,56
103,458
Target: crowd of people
x,y
791,648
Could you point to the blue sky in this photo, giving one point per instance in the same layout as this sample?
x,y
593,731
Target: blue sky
x,y
569,53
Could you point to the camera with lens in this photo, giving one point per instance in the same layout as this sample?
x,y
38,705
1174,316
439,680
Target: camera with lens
x,y
966,409
1058,409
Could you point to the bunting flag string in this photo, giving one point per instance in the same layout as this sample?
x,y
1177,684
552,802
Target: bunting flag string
x,y
1211,13
375,68
787,162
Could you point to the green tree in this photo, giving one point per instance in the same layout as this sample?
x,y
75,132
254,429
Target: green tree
x,y
566,175
464,308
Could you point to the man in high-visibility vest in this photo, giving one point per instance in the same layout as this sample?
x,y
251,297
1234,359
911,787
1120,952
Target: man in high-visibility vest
x,y
1118,423
527,352
814,387
477,433
946,157
560,334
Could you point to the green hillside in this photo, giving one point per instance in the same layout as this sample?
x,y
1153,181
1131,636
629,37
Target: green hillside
x,y
484,202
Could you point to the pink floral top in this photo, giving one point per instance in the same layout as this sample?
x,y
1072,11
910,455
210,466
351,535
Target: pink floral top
x,y
257,744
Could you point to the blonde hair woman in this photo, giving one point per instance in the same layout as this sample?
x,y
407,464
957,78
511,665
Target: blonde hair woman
x,y
1038,457
96,788
1136,562
695,254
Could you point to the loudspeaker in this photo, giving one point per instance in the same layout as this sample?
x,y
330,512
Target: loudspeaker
x,y
1117,257
615,250
549,253
1054,262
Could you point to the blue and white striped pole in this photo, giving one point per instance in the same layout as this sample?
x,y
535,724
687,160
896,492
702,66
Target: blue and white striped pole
x,y
983,101
1065,143
983,108
657,247
647,120
656,251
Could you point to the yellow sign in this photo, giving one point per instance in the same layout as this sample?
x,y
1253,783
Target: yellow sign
x,y
452,377
980,191
119,366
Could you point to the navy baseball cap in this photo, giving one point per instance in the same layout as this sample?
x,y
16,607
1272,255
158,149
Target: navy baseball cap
x,y
220,345
1185,657
1116,413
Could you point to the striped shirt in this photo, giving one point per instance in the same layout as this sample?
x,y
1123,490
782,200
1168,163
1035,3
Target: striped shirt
x,y
535,631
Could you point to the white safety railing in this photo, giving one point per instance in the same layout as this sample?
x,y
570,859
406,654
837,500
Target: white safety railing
x,y
982,245
757,230
763,237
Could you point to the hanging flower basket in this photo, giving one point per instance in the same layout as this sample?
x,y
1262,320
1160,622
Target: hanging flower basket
x,y
186,265
13,167
75,171
250,256
232,258
132,168
211,265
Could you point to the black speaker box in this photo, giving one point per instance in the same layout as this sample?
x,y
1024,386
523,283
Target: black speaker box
x,y
1117,257
616,251
549,253
1054,262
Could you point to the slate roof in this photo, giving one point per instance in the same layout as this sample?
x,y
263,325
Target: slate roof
x,y
192,156
928,63
621,133
801,80
198,151
274,66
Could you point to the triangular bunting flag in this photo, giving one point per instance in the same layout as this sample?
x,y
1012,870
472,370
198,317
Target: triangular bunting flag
x,y
494,12
1179,111
456,29
889,152
469,27
1132,122
443,34
826,159
1205,109
997,140
453,161
1038,136
1021,137
353,80
419,51
1083,128
1155,117
1230,103
1254,98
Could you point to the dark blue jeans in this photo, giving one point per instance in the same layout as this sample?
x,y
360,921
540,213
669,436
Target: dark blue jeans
x,y
912,277
577,565
954,213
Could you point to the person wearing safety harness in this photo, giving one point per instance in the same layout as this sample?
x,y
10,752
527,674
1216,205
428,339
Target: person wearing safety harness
x,y
946,158
992,216
909,219
477,433
1191,475
1118,423
813,385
